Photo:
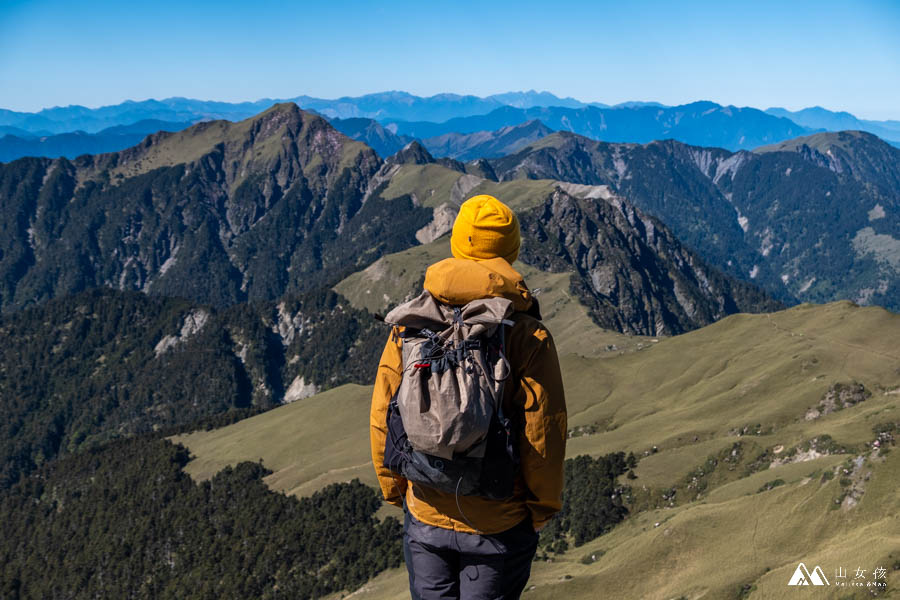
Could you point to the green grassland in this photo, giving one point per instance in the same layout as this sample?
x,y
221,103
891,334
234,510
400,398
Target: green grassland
x,y
434,185
393,278
431,184
397,277
307,444
709,413
519,194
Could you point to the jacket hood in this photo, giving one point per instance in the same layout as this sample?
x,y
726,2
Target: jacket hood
x,y
459,281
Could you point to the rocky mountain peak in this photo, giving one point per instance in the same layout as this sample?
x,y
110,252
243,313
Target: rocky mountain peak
x,y
284,140
413,153
220,212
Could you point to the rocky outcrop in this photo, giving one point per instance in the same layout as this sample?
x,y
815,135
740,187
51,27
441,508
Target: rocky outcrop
x,y
632,273
193,323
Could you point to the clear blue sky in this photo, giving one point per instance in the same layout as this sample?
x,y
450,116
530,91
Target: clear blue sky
x,y
844,55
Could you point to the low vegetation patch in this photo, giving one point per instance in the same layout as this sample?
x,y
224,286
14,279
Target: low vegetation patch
x,y
771,485
699,479
838,397
592,428
593,503
755,429
811,449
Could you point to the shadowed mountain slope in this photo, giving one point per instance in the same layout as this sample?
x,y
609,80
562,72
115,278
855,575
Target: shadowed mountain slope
x,y
104,364
627,268
369,131
486,144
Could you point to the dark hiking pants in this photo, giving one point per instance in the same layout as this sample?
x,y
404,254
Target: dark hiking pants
x,y
445,564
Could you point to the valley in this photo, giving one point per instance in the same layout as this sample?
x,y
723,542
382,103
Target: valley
x,y
715,415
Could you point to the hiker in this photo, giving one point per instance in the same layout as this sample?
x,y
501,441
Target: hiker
x,y
471,354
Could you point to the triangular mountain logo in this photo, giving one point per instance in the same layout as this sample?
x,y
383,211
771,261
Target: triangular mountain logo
x,y
802,576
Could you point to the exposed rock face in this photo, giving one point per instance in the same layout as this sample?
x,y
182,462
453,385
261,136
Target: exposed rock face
x,y
629,269
465,184
444,216
838,397
299,390
411,154
193,323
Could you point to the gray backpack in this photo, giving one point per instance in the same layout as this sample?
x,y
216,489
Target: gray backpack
x,y
446,426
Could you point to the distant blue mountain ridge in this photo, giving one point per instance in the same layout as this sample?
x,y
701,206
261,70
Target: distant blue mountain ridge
x,y
388,120
76,143
817,117
699,124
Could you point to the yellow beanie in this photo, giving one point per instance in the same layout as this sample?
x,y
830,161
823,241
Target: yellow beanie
x,y
485,228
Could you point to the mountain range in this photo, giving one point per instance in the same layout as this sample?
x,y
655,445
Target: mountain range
x,y
700,123
77,143
384,105
812,219
217,287
225,212
250,224
817,117
486,144
388,107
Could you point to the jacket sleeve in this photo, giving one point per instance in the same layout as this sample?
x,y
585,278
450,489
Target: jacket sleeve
x,y
543,446
387,380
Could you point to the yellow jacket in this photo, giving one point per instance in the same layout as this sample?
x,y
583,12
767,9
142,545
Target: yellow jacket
x,y
535,390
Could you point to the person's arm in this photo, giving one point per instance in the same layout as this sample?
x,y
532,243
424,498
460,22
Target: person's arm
x,y
393,486
543,448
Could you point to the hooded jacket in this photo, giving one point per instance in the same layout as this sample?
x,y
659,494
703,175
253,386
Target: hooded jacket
x,y
535,392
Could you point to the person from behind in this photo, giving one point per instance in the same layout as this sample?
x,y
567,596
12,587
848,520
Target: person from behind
x,y
468,416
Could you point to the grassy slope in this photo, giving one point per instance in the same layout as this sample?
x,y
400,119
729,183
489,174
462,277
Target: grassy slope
x,y
195,142
684,395
397,277
307,444
433,185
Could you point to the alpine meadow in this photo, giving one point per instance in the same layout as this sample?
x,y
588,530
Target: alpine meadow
x,y
195,296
